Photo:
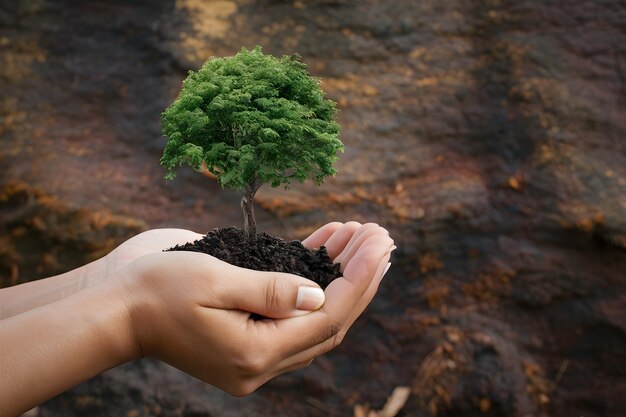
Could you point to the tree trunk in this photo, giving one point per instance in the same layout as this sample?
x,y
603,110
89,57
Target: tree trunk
x,y
247,206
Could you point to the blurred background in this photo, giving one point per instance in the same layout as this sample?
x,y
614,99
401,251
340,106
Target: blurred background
x,y
489,137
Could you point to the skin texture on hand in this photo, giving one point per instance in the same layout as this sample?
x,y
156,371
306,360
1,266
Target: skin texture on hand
x,y
192,311
203,305
49,349
24,297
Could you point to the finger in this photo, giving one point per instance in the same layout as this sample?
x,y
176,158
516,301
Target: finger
x,y
371,291
172,236
335,244
321,235
269,294
328,344
362,229
165,237
151,241
341,297
358,239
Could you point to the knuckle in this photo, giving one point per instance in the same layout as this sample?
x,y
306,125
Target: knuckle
x,y
332,330
334,225
353,224
273,295
329,336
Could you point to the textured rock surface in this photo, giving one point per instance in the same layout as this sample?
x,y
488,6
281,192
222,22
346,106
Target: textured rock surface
x,y
489,136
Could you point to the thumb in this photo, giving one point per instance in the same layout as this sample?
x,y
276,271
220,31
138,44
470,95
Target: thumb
x,y
275,294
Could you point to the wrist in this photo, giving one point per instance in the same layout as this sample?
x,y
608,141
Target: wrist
x,y
118,330
53,347
139,310
30,295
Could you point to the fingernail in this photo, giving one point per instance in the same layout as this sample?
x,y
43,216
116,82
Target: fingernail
x,y
386,269
391,249
309,298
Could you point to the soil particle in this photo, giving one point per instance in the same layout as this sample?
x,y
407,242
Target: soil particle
x,y
266,253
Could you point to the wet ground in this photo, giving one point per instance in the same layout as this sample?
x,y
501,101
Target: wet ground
x,y
488,136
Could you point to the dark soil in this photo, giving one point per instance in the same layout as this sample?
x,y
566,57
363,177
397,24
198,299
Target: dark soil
x,y
266,253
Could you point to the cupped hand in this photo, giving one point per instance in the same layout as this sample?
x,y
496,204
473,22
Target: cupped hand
x,y
193,311
146,243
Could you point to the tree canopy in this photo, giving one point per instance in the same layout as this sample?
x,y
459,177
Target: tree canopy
x,y
252,119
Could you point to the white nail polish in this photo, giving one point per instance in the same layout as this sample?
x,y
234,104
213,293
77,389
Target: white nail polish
x,y
386,269
391,249
310,298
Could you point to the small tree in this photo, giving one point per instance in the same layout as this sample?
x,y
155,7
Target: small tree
x,y
252,119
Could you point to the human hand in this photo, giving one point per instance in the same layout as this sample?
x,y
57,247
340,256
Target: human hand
x,y
145,243
20,298
193,311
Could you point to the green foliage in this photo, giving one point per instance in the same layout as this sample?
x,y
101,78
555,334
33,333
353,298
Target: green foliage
x,y
253,119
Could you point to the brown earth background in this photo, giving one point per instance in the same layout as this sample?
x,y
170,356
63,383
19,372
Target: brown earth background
x,y
489,137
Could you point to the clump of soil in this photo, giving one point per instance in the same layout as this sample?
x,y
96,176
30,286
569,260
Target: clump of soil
x,y
266,253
